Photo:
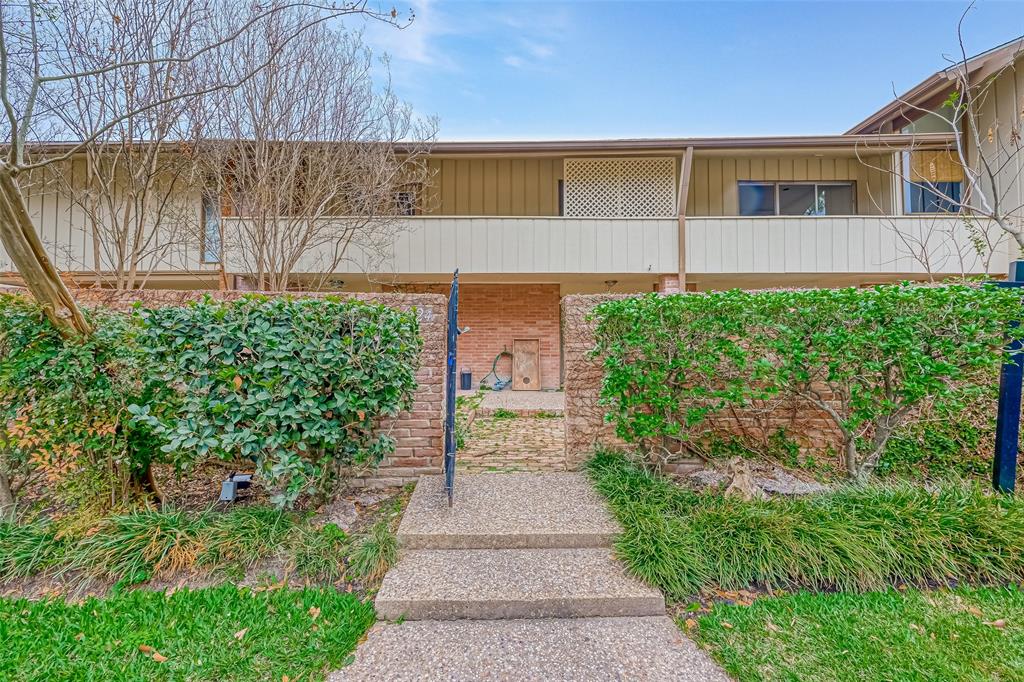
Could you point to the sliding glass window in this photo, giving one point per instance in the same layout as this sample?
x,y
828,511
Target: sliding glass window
x,y
797,198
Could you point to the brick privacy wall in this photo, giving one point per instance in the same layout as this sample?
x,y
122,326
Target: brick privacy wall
x,y
497,314
418,433
586,428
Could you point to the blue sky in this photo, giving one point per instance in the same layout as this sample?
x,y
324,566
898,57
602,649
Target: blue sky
x,y
543,70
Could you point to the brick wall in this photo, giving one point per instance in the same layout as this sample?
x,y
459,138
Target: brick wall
x,y
418,433
585,427
497,314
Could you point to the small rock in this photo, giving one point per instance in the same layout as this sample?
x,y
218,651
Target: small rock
x,y
342,513
371,498
707,477
782,482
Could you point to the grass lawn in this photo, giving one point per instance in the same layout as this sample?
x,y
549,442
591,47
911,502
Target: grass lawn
x,y
221,633
962,634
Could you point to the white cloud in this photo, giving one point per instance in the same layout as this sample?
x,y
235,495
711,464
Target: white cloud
x,y
538,50
418,43
515,61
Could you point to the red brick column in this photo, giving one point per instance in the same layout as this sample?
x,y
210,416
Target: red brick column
x,y
668,284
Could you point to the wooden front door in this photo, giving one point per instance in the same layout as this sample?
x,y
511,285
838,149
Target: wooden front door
x,y
526,365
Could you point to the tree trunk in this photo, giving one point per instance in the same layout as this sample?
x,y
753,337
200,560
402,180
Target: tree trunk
x,y
850,446
7,502
23,245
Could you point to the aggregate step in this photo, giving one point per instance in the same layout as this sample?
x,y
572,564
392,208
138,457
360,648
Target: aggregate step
x,y
638,649
513,583
507,511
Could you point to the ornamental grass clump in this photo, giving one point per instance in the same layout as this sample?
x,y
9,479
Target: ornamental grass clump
x,y
858,537
297,385
865,360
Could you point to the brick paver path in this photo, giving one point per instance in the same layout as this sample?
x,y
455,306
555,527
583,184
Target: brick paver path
x,y
513,444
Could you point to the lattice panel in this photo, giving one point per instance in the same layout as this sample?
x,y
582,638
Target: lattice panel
x,y
627,188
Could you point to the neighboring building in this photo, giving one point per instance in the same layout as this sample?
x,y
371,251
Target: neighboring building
x,y
529,222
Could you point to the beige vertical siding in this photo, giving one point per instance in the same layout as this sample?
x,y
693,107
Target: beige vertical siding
x,y
497,245
493,187
66,231
842,244
1003,110
714,180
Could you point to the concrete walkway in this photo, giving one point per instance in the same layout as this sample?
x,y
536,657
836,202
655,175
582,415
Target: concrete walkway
x,y
518,582
523,403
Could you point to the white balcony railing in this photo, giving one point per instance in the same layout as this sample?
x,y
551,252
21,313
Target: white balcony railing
x,y
556,245
843,244
510,245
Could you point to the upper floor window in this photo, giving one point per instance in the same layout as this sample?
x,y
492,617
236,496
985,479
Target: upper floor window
x,y
934,182
210,246
407,200
797,198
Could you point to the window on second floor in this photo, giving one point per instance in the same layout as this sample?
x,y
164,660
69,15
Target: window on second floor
x,y
210,246
407,200
797,198
934,182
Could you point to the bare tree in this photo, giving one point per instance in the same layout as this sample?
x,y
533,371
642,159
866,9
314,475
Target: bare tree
x,y
36,83
136,184
306,170
987,148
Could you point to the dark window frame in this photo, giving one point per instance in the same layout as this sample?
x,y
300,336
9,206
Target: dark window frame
x,y
210,213
777,184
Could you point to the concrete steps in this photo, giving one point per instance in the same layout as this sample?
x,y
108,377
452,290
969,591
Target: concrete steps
x,y
513,583
507,511
518,582
636,649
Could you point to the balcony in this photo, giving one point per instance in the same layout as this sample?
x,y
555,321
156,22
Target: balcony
x,y
916,244
911,245
503,245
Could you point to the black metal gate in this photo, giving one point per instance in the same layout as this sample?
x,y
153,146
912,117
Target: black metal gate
x,y
449,390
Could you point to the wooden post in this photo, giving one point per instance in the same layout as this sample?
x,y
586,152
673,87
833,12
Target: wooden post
x,y
686,163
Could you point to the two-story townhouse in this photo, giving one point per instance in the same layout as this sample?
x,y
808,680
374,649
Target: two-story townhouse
x,y
529,222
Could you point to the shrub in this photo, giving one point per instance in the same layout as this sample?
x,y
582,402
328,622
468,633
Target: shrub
x,y
374,553
298,385
855,538
866,359
64,405
319,553
953,438
136,546
27,549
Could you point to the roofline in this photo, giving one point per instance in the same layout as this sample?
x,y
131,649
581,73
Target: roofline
x,y
679,144
937,83
673,144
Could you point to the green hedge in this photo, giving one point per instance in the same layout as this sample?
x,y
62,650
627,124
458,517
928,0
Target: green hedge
x,y
298,385
855,538
870,360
